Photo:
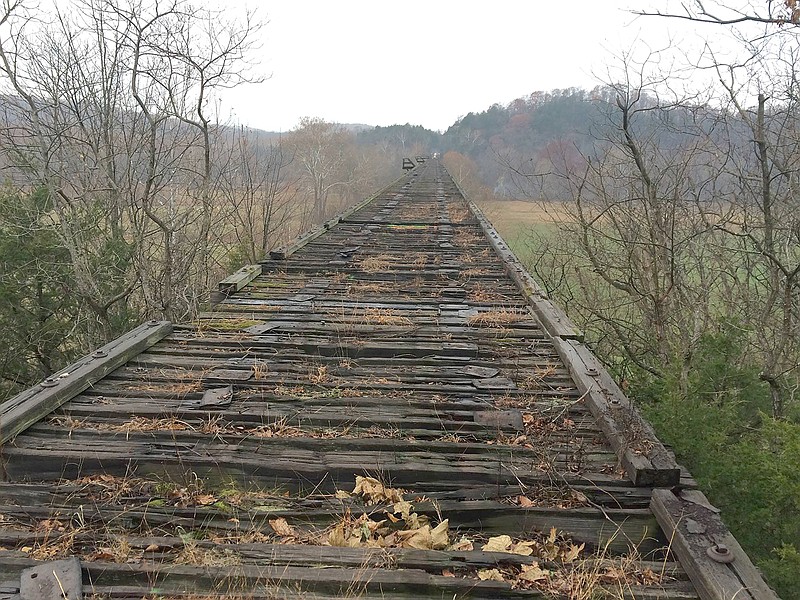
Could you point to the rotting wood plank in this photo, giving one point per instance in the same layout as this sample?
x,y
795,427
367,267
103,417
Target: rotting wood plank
x,y
644,457
169,579
24,409
616,531
242,277
700,540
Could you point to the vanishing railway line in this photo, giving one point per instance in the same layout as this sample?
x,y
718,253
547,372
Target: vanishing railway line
x,y
387,408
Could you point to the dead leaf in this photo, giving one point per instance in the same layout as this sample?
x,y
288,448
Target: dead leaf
x,y
415,521
579,497
204,499
490,575
336,537
522,548
403,507
152,548
499,543
525,502
440,537
282,527
462,545
533,573
447,573
374,491
553,535
573,552
342,495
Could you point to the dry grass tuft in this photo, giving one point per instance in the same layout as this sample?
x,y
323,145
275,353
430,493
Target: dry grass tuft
x,y
385,316
537,379
180,389
457,213
474,272
377,264
466,238
366,287
496,318
481,293
320,375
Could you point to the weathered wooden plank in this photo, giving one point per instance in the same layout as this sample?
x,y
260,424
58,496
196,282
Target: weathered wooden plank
x,y
24,409
237,281
297,469
336,582
644,457
53,579
616,531
713,559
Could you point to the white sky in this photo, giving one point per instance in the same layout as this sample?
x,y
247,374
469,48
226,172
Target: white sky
x,y
428,62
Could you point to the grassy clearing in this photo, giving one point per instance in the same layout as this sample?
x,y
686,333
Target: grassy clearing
x,y
520,222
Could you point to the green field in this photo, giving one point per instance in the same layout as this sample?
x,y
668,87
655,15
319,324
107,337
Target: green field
x,y
522,223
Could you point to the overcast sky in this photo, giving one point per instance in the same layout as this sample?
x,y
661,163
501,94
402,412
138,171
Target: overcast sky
x,y
428,62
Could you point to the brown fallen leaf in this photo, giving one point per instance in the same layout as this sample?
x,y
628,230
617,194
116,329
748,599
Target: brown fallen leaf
x,y
152,548
205,499
374,491
522,548
440,535
498,543
579,497
525,502
282,527
462,545
533,573
573,552
448,573
490,575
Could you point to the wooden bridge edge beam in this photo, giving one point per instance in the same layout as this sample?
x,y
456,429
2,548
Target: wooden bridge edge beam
x,y
645,459
697,535
555,321
26,408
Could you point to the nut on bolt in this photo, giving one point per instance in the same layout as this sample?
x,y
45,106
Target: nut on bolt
x,y
720,553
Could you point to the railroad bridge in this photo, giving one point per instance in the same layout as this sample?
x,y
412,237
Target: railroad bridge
x,y
389,407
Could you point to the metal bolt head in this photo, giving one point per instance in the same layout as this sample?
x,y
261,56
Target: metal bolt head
x,y
720,553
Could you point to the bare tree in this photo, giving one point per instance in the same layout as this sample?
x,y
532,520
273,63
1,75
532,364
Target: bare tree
x,y
110,108
260,194
780,13
321,150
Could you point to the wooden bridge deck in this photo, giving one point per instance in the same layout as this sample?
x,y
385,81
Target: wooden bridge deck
x,y
388,408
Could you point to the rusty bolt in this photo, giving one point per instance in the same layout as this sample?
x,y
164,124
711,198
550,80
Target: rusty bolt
x,y
720,553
